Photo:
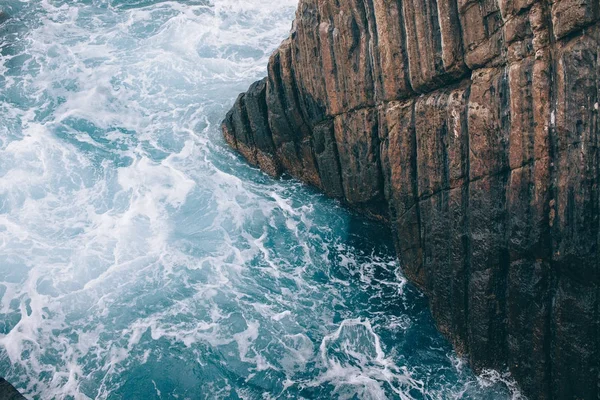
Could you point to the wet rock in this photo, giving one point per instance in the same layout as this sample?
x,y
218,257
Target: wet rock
x,y
8,392
357,142
255,102
575,222
471,127
328,161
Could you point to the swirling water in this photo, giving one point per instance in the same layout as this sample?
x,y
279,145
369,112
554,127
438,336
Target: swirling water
x,y
141,259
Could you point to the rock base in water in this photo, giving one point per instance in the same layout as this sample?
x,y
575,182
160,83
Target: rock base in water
x,y
472,128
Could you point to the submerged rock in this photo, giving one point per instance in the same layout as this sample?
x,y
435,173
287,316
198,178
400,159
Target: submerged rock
x,y
8,392
472,128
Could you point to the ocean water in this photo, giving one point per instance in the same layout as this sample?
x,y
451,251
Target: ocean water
x,y
141,259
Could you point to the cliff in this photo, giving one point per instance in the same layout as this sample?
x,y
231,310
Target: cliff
x,y
470,126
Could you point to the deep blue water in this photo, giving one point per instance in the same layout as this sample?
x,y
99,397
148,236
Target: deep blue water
x,y
141,259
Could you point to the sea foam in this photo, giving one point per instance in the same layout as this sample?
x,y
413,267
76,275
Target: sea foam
x,y
141,258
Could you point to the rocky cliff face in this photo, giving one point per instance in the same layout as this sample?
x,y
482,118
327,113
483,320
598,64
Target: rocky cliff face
x,y
470,126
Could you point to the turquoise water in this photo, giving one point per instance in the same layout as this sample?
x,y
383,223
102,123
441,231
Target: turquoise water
x,y
141,259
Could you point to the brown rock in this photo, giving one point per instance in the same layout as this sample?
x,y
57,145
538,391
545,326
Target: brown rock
x,y
357,140
433,43
570,15
575,228
482,34
392,73
472,128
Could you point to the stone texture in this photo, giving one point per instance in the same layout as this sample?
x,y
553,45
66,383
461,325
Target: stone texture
x,y
575,224
357,140
8,392
391,70
433,42
471,127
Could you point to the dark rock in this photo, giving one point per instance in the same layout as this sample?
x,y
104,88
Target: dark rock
x,y
471,127
357,142
8,392
328,160
255,102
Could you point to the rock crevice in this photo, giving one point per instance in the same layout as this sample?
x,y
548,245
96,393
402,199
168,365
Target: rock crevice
x,y
471,127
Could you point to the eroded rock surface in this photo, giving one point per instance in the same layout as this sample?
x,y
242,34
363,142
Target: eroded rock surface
x,y
470,126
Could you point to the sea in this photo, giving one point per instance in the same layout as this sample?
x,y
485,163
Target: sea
x,y
141,258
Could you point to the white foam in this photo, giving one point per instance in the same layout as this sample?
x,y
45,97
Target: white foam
x,y
362,372
130,237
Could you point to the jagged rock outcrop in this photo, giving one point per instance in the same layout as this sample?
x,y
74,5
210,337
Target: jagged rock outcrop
x,y
470,126
8,392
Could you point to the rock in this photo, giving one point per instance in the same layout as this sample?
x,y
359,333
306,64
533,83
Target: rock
x,y
471,127
357,142
328,160
8,392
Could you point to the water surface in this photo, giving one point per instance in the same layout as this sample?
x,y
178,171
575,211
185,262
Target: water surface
x,y
141,259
